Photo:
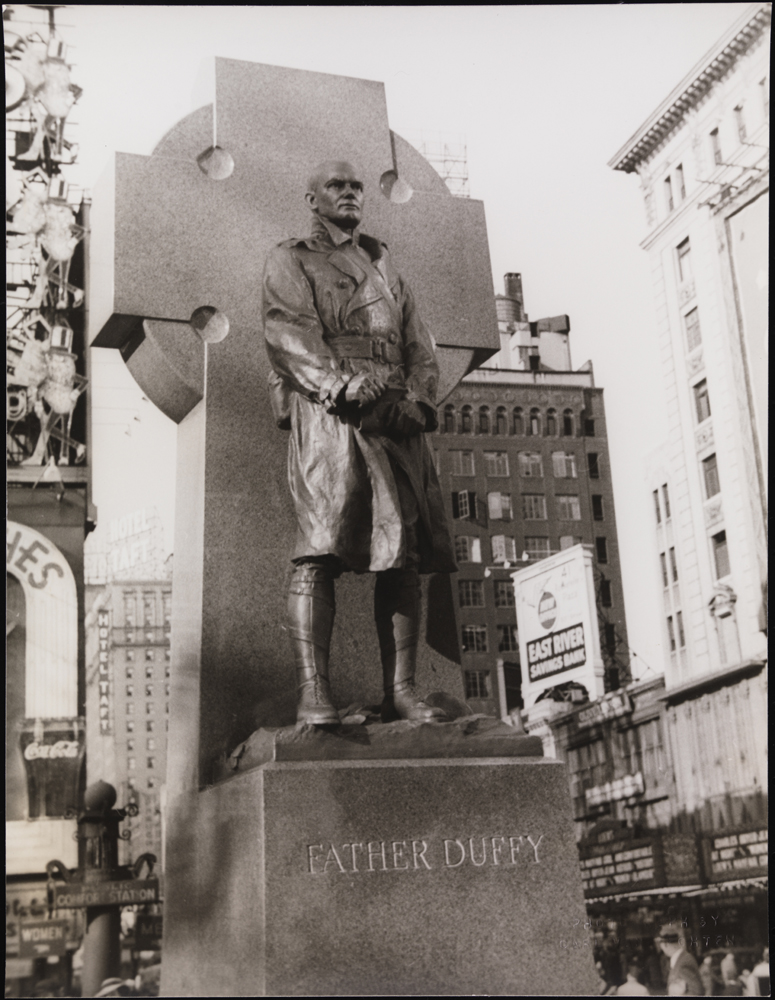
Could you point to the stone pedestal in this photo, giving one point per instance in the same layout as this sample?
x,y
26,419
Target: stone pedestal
x,y
445,877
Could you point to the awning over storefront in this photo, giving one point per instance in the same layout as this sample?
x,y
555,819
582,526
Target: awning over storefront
x,y
732,884
665,890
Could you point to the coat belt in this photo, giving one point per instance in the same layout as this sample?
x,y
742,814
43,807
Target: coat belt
x,y
375,349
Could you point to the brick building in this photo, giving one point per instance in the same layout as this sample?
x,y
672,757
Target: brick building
x,y
522,457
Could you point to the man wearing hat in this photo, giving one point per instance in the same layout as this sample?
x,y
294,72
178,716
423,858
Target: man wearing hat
x,y
683,979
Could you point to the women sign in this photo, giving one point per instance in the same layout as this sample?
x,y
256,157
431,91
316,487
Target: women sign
x,y
557,624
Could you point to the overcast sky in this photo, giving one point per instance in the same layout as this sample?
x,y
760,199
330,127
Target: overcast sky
x,y
543,97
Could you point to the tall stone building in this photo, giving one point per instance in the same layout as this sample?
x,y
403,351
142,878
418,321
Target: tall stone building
x,y
522,457
702,158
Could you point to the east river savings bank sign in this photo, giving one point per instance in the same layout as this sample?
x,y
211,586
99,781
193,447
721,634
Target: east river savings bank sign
x,y
559,639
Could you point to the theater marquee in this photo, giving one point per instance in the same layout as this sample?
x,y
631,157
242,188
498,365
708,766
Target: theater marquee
x,y
557,623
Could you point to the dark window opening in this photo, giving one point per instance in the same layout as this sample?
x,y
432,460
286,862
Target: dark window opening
x,y
710,475
605,593
597,507
601,547
476,683
593,465
721,554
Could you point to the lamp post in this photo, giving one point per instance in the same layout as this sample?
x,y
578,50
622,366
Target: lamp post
x,y
100,884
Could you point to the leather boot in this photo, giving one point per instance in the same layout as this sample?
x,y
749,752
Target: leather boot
x,y
311,608
397,614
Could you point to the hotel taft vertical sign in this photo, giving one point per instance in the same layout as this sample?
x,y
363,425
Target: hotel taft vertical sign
x,y
557,624
103,632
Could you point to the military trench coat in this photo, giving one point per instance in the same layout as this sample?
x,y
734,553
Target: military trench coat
x,y
334,306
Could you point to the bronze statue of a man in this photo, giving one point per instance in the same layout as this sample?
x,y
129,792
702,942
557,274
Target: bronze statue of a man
x,y
354,381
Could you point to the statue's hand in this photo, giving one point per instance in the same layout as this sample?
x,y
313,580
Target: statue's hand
x,y
364,389
407,418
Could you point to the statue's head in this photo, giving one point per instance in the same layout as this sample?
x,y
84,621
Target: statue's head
x,y
335,192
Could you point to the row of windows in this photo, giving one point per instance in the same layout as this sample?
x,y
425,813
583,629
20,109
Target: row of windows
x,y
475,639
468,548
150,725
149,672
471,593
150,743
147,608
519,422
149,692
150,708
149,655
131,763
496,463
674,184
500,507
150,635
150,783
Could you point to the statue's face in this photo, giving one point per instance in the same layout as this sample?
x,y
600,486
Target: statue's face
x,y
336,194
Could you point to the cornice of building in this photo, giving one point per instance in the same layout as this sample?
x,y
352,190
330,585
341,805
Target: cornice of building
x,y
709,70
507,376
709,683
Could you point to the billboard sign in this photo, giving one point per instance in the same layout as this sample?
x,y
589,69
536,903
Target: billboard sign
x,y
559,639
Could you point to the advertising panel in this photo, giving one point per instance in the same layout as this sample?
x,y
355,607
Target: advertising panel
x,y
559,639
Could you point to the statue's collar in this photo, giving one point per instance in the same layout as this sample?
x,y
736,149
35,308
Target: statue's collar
x,y
324,230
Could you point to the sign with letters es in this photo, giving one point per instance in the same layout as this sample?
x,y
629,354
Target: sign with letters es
x,y
559,639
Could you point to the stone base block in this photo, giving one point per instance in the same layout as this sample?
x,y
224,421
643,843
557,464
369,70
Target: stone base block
x,y
446,877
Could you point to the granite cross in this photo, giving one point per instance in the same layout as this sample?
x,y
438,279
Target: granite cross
x,y
178,246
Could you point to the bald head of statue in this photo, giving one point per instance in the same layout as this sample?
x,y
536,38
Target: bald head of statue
x,y
335,193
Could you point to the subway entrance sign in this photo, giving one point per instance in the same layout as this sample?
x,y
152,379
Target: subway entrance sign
x,y
77,894
41,938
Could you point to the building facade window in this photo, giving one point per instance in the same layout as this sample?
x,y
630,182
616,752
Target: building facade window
x,y
710,476
503,549
673,565
537,547
474,638
663,566
466,420
679,620
601,549
597,507
468,549
449,419
535,422
551,423
609,634
130,744
149,726
605,593
666,501
684,254
499,506
130,690
131,763
149,672
151,761
701,401
533,507
668,187
568,508
484,420
721,554
496,463
149,708
564,465
501,421
508,641
130,672
149,607
476,683
149,690
593,465
504,594
518,422
742,132
681,182
470,593
464,505
589,427
530,465
149,655
715,147
657,511
150,743
130,725
692,328
462,463
671,633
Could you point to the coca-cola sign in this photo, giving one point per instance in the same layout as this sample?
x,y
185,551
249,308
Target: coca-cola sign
x,y
53,754
62,748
